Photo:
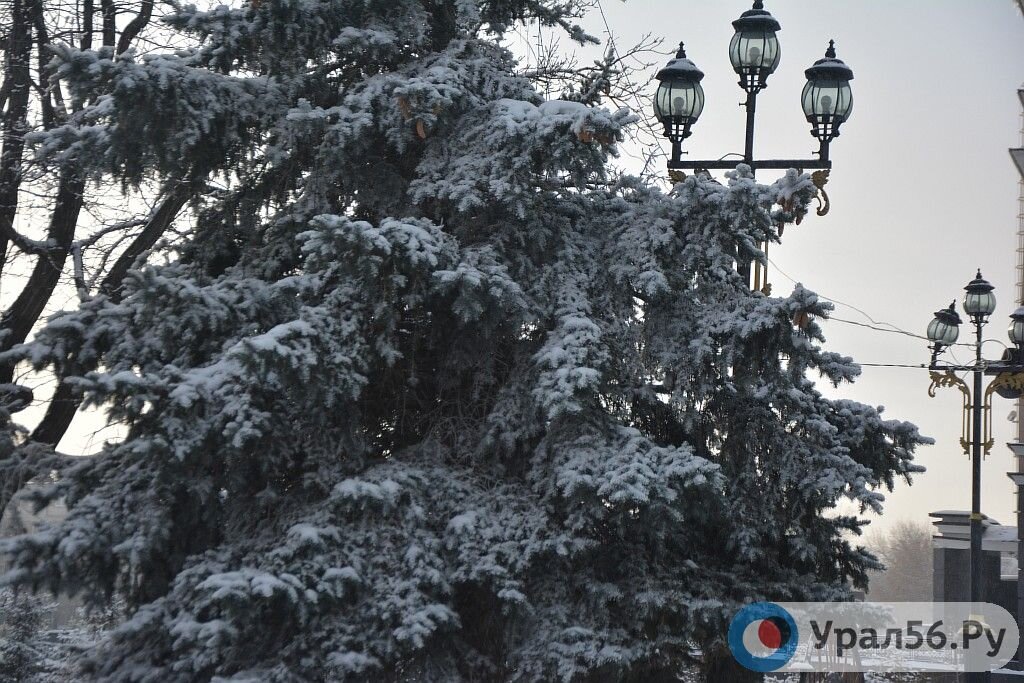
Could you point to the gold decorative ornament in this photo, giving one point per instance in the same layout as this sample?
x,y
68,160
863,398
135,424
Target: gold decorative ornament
x,y
948,379
1005,380
819,178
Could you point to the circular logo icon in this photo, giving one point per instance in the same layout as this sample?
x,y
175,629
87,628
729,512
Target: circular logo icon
x,y
763,637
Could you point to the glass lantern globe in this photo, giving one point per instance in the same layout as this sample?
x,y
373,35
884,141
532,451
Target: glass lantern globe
x,y
1016,329
754,49
827,98
679,99
944,329
979,301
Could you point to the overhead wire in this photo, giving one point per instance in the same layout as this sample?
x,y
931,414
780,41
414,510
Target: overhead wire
x,y
889,328
876,324
874,327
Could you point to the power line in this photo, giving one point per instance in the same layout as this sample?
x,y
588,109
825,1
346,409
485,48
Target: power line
x,y
889,327
893,328
874,327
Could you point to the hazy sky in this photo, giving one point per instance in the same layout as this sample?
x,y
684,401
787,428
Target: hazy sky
x,y
923,191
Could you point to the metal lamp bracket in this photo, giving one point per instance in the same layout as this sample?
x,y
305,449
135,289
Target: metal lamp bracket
x,y
819,178
1005,380
948,379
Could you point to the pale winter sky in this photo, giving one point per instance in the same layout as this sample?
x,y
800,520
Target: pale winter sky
x,y
923,191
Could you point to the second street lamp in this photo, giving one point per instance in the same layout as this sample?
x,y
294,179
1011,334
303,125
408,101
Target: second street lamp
x,y
979,303
754,53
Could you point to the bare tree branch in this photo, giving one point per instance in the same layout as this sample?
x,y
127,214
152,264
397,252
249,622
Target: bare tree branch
x,y
64,404
29,246
103,232
18,320
76,259
158,223
135,26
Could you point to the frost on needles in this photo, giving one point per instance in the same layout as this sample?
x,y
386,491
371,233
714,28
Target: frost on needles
x,y
427,392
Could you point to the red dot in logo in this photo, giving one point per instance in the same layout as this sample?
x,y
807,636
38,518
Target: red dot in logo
x,y
769,634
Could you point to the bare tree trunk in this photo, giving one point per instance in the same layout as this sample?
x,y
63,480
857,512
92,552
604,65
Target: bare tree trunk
x,y
17,82
155,228
18,320
135,26
109,14
87,11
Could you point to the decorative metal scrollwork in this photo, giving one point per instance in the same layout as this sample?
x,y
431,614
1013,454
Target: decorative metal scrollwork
x,y
948,379
819,178
1004,380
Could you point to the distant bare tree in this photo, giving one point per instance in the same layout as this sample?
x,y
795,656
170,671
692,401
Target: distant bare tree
x,y
906,551
63,230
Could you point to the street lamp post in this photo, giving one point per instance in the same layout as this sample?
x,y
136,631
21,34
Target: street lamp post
x,y
754,52
979,303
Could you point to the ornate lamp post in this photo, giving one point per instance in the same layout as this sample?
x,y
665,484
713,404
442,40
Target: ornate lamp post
x,y
754,52
979,303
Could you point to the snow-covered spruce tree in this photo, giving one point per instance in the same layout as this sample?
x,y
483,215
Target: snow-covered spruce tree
x,y
426,395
